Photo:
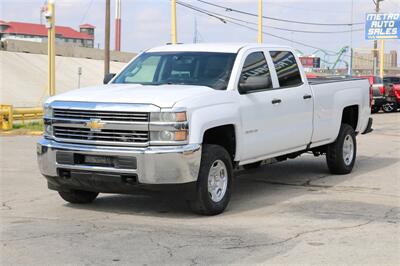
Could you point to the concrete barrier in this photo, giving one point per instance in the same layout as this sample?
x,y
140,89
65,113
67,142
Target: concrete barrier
x,y
68,50
23,76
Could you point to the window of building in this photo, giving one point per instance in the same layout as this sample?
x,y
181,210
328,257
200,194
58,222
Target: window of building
x,y
286,68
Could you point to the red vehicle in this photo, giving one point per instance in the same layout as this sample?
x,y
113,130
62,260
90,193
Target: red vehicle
x,y
311,76
392,94
377,91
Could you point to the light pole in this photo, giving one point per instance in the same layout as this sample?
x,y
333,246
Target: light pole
x,y
51,46
260,22
173,22
381,58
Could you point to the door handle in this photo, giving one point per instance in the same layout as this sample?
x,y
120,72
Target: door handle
x,y
276,101
307,96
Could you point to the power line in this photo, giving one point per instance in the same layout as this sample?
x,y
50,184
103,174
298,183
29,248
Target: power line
x,y
229,9
308,9
244,26
221,16
226,20
87,11
203,11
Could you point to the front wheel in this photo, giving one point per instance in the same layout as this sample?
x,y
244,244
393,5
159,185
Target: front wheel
x,y
341,154
214,182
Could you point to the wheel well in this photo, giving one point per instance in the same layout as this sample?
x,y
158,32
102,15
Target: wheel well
x,y
222,135
350,116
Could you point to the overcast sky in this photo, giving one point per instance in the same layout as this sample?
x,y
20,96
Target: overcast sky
x,y
146,23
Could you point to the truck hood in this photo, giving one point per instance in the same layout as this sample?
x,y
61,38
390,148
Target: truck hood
x,y
160,95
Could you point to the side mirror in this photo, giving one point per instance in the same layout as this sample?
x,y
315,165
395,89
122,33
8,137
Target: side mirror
x,y
254,84
108,77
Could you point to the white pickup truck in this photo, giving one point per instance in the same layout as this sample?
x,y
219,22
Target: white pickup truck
x,y
185,116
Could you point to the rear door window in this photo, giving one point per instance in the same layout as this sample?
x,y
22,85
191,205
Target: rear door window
x,y
286,68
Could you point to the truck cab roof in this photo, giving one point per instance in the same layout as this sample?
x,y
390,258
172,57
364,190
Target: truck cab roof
x,y
212,47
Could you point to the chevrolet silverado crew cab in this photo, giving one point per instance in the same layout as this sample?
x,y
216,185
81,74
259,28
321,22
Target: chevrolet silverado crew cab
x,y
188,115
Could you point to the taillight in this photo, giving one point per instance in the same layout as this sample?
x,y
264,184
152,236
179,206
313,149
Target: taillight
x,y
371,97
382,89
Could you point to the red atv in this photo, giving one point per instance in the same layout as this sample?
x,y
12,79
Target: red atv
x,y
392,94
392,98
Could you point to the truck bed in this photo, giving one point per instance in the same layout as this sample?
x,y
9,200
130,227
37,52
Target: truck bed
x,y
331,96
322,80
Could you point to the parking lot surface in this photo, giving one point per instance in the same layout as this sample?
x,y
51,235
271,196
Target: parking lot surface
x,y
292,212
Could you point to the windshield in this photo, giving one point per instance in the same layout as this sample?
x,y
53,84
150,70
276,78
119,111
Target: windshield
x,y
185,68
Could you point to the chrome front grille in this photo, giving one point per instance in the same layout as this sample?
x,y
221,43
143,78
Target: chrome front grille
x,y
103,115
101,124
107,136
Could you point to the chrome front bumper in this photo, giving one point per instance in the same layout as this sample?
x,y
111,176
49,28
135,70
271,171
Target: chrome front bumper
x,y
154,165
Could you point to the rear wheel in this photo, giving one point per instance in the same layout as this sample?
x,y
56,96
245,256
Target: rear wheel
x,y
388,107
78,196
341,154
214,182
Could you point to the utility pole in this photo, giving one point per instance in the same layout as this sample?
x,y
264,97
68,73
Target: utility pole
x,y
377,9
350,72
107,40
173,22
118,25
260,21
51,46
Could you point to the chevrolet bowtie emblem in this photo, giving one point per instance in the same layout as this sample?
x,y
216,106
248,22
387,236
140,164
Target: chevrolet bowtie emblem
x,y
95,124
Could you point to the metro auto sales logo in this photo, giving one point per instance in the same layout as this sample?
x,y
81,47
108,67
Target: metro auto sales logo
x,y
382,26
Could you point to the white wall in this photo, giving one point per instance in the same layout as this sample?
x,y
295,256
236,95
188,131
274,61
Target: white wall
x,y
23,77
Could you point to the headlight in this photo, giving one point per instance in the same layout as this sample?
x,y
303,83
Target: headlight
x,y
47,115
48,130
47,111
168,117
168,128
168,136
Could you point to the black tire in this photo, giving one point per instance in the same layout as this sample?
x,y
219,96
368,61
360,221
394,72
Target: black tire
x,y
388,108
375,109
78,196
251,166
334,155
203,203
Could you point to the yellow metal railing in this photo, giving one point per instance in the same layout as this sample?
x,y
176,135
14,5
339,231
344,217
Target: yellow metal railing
x,y
8,114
